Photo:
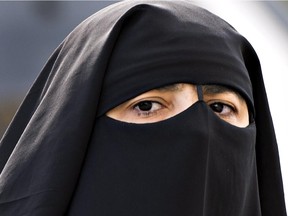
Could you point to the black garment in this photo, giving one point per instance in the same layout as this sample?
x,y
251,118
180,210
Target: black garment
x,y
191,164
62,156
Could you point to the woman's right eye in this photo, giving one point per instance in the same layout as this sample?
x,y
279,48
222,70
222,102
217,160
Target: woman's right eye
x,y
144,105
147,108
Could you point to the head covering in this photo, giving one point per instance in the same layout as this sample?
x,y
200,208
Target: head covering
x,y
63,156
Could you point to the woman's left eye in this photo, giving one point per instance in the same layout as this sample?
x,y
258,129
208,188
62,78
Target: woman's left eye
x,y
147,108
222,108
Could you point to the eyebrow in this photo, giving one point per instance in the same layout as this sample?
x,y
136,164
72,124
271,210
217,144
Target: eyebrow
x,y
173,87
207,89
218,89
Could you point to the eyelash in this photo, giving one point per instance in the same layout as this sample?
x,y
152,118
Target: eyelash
x,y
232,109
147,113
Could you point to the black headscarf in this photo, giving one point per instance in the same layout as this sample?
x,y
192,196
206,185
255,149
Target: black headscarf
x,y
63,156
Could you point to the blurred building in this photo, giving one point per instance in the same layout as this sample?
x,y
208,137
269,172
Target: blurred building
x,y
29,32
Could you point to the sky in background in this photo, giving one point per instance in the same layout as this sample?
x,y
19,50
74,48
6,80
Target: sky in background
x,y
30,31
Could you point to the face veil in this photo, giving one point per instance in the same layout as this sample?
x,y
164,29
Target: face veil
x,y
63,156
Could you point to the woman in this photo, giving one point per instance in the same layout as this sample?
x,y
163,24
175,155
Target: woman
x,y
146,108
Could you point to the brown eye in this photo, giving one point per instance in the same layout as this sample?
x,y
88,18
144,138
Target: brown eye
x,y
147,108
221,108
217,107
145,105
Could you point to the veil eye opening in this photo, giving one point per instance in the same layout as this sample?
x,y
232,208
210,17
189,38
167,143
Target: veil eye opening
x,y
199,90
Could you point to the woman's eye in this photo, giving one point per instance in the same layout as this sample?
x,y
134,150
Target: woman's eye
x,y
147,108
222,108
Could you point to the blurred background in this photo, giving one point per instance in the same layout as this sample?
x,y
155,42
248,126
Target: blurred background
x,y
30,31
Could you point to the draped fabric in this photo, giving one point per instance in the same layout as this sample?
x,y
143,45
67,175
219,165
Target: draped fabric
x,y
62,155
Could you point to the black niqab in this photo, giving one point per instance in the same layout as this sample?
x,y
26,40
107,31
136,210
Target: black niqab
x,y
62,156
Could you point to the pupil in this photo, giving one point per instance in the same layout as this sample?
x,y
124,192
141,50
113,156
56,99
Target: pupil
x,y
145,105
217,107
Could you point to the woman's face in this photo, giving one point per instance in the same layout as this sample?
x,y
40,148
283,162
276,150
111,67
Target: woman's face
x,y
162,103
